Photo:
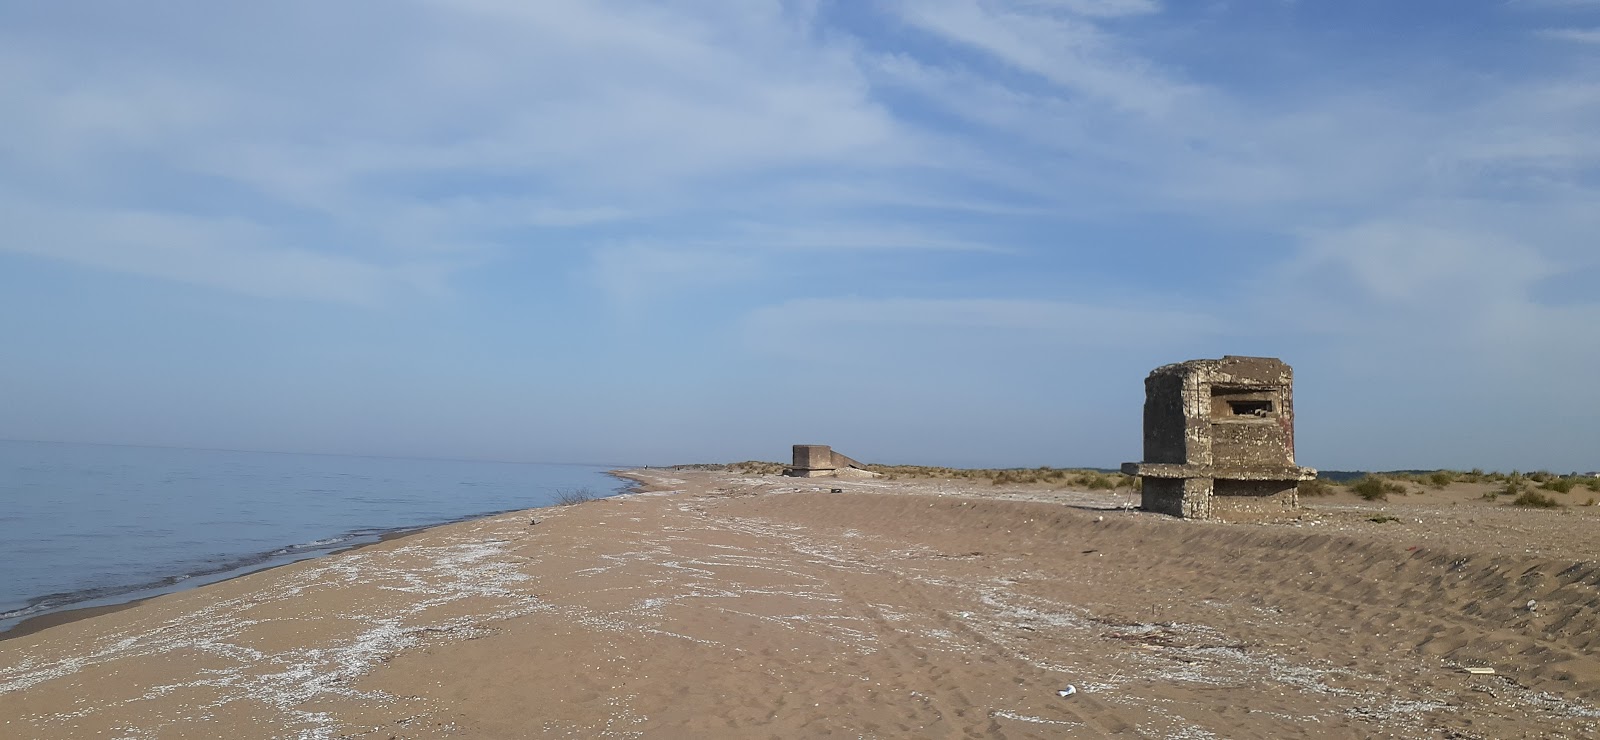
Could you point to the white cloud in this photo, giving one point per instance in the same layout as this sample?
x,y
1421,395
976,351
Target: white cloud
x,y
1559,4
875,326
1579,35
1411,262
1097,8
1072,53
433,125
852,237
634,274
226,254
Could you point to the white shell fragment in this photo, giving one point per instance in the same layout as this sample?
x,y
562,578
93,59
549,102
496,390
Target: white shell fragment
x,y
1068,691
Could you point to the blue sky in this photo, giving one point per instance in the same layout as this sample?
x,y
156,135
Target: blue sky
x,y
941,231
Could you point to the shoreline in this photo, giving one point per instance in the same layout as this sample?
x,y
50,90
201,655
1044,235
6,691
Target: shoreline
x,y
925,608
39,622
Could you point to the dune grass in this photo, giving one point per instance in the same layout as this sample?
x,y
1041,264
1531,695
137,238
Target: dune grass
x,y
1534,499
1375,488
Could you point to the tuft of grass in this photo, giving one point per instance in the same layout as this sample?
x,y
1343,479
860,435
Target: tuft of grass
x,y
573,496
1536,500
1315,487
1053,477
1373,488
1560,485
1383,519
1441,478
757,467
1100,483
1592,484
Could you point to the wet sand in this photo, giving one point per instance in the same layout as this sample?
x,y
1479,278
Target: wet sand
x,y
51,619
724,605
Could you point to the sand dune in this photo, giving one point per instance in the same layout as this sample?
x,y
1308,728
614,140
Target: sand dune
x,y
742,606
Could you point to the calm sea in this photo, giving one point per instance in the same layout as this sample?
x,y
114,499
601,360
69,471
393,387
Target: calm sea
x,y
91,525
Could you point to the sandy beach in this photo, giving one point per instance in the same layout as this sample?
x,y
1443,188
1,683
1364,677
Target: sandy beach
x,y
718,604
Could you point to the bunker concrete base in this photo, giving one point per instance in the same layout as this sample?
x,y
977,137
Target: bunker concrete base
x,y
1189,498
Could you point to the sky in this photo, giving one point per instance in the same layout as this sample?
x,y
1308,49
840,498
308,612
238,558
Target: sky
x,y
955,232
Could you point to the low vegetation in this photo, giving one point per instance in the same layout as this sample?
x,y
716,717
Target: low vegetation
x,y
1559,485
1374,488
1371,486
1535,500
571,496
1317,487
1094,480
757,467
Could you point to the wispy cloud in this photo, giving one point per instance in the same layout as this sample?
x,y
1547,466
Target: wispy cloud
x,y
1072,53
451,127
227,254
1097,8
1413,263
878,325
1549,4
1579,35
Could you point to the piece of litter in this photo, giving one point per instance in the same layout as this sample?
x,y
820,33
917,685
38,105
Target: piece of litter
x,y
1068,691
1480,671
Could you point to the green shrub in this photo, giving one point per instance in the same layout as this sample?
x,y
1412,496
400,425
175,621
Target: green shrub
x,y
1560,485
757,467
1315,487
1441,478
1373,488
1101,483
1592,484
1536,500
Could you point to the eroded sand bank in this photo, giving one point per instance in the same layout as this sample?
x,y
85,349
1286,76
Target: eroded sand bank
x,y
743,606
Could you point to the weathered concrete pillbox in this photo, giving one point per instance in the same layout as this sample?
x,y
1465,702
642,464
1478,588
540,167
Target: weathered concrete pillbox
x,y
1219,434
815,461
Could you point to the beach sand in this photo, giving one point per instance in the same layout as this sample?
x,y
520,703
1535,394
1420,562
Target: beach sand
x,y
727,605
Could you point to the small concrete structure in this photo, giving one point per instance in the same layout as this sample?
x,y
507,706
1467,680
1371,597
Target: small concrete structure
x,y
820,461
1219,436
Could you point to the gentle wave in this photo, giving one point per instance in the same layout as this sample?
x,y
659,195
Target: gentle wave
x,y
91,525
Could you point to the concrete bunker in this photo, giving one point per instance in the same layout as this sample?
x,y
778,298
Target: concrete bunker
x,y
1219,436
820,461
